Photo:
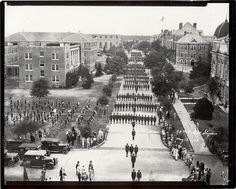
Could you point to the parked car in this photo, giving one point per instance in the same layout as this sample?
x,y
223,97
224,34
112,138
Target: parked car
x,y
39,158
54,145
24,147
12,145
10,159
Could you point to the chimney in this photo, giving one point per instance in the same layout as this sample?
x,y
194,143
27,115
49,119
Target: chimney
x,y
195,25
180,25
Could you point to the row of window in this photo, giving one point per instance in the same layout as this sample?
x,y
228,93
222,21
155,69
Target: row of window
x,y
193,55
110,36
12,59
29,78
10,50
192,47
28,55
29,67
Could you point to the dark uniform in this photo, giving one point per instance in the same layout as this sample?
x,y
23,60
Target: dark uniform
x,y
127,149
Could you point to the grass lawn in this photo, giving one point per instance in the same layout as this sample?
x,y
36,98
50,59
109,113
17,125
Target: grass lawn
x,y
220,120
177,125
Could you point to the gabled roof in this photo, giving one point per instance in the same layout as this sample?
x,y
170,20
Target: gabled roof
x,y
186,28
191,38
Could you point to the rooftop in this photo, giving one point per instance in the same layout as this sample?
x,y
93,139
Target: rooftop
x,y
192,38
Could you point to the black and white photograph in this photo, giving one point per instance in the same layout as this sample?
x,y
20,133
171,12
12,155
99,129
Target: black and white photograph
x,y
116,93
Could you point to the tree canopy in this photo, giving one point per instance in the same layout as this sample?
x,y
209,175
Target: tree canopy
x,y
144,46
202,69
40,88
115,65
203,109
85,131
99,70
103,100
214,88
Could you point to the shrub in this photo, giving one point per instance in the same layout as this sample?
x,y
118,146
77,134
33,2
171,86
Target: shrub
x,y
113,77
203,109
189,87
103,100
107,90
85,131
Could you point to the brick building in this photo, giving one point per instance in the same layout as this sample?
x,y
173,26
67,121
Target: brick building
x,y
50,55
11,68
220,61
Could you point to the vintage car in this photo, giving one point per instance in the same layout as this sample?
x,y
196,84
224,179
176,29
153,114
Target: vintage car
x,y
54,145
10,159
39,158
24,147
12,145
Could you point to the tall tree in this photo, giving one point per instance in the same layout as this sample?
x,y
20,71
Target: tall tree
x,y
115,65
144,46
99,70
214,88
40,88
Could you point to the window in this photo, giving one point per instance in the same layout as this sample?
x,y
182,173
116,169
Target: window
x,y
41,63
67,55
105,36
181,54
100,45
55,67
28,55
41,53
55,56
15,58
28,67
116,37
28,78
42,73
55,78
11,59
111,36
110,44
100,36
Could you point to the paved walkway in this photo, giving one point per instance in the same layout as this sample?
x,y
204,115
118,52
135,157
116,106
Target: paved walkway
x,y
191,130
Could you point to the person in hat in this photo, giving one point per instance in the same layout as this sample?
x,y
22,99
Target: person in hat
x,y
136,150
133,159
131,149
133,134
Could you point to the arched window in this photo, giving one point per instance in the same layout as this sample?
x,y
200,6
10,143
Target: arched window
x,y
100,45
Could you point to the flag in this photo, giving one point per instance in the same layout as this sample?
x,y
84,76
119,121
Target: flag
x,y
162,18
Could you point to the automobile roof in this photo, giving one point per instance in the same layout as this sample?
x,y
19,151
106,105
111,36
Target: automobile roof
x,y
29,145
36,152
50,140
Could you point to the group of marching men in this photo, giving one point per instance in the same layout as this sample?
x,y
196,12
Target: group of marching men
x,y
145,107
134,97
128,118
141,78
133,81
136,87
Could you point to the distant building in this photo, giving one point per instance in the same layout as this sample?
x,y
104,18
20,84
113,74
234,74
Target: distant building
x,y
191,48
48,55
106,40
136,38
220,60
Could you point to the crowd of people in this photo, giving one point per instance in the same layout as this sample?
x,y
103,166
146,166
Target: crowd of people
x,y
135,81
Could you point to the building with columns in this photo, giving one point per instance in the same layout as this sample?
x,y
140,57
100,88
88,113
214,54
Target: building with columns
x,y
48,55
220,61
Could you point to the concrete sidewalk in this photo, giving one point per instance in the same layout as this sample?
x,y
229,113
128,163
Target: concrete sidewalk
x,y
191,130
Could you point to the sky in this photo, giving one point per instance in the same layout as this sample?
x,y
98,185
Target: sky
x,y
139,20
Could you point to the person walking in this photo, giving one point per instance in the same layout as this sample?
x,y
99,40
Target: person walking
x,y
131,149
133,159
208,176
77,167
139,175
136,150
127,149
133,175
133,134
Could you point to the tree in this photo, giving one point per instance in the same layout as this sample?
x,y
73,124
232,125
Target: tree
x,y
166,102
85,131
214,88
71,79
203,109
115,65
107,90
103,100
99,70
144,46
154,58
40,88
128,45
161,86
202,69
121,53
88,82
26,126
